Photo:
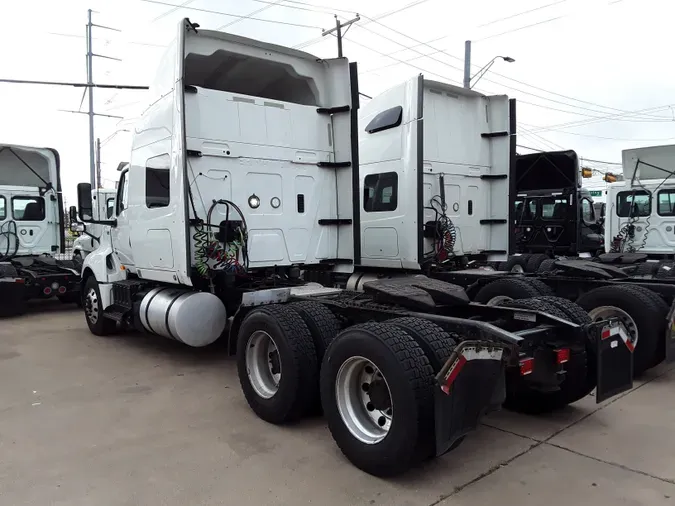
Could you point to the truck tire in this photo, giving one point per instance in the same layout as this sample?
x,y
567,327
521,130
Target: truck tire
x,y
516,263
546,266
322,324
580,376
660,354
434,341
539,285
98,324
646,269
640,313
535,261
277,364
574,312
506,289
387,433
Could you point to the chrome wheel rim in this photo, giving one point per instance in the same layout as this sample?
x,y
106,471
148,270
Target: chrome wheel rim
x,y
605,312
364,400
91,306
263,364
499,300
517,269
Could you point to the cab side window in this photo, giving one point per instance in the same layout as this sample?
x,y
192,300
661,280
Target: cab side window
x,y
3,208
380,192
122,193
587,211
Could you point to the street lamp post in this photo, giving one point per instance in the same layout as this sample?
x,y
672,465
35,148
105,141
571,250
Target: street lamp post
x,y
477,76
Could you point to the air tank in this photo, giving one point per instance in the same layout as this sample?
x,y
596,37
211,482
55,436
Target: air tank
x,y
193,318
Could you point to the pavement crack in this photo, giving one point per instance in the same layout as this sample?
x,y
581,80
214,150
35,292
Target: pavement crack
x,y
613,464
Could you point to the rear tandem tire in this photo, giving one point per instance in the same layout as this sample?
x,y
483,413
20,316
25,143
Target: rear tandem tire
x,y
507,288
297,388
410,381
516,263
535,261
547,266
646,313
434,341
322,324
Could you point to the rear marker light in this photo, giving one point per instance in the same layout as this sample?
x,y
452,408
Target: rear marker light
x,y
562,356
62,289
526,366
47,290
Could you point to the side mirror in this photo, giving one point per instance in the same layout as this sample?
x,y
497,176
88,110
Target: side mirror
x,y
75,226
84,203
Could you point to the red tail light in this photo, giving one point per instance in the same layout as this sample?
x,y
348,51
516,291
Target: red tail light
x,y
562,355
526,366
62,289
47,290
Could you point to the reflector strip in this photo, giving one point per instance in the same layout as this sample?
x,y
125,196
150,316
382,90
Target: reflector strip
x,y
453,372
606,332
526,366
563,355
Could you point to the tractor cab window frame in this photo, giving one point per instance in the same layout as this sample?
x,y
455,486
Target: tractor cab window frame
x,y
666,206
629,201
389,118
122,193
20,214
548,209
3,208
524,209
109,208
158,181
587,211
380,192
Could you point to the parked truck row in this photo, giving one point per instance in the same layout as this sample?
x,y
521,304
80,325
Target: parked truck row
x,y
316,238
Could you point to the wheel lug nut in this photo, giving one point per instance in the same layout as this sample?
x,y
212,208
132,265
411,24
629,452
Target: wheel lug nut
x,y
365,387
370,406
369,369
381,421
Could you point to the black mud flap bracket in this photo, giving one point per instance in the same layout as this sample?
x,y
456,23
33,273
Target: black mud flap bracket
x,y
470,384
670,335
615,361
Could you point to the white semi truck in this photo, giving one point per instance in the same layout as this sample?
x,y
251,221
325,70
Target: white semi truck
x,y
103,208
245,172
31,229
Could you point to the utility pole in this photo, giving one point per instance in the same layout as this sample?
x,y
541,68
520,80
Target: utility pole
x,y
98,163
90,83
90,54
338,30
467,64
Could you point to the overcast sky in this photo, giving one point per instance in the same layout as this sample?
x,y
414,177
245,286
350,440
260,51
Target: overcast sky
x,y
590,75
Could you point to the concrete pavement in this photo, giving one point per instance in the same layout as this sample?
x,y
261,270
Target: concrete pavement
x,y
133,420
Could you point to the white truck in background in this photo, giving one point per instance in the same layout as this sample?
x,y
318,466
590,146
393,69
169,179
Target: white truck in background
x,y
245,172
103,200
640,214
32,229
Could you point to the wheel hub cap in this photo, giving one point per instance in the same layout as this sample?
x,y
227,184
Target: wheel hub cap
x,y
91,306
364,400
263,364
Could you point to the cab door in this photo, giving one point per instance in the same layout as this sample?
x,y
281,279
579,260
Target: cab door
x,y
120,233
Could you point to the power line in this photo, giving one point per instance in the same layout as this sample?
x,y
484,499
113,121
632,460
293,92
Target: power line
x,y
605,118
435,50
580,157
311,42
610,138
73,35
521,13
76,85
520,28
209,11
248,16
171,11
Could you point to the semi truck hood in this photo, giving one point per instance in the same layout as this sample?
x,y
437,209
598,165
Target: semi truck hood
x,y
552,170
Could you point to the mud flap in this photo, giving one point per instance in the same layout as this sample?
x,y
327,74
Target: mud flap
x,y
614,362
670,335
470,384
12,295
